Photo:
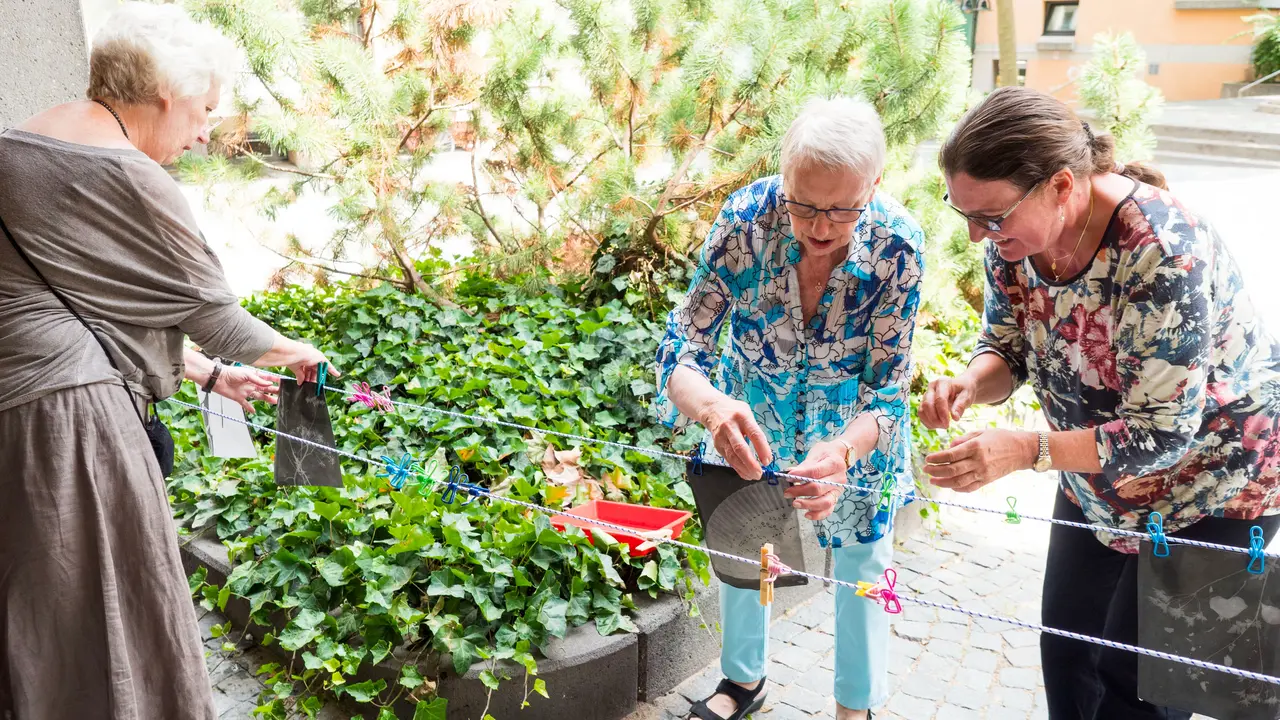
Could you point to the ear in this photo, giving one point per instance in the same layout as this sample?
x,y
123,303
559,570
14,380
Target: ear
x,y
1061,185
165,102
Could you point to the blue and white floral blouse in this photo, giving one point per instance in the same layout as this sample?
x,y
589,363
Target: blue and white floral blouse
x,y
807,380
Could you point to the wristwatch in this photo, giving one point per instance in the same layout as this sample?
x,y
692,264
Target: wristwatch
x,y
849,455
213,377
1043,460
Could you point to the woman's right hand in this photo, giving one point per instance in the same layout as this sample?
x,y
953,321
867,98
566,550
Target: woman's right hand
x,y
305,363
946,400
731,423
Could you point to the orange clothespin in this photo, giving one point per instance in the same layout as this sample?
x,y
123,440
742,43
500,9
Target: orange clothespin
x,y
766,578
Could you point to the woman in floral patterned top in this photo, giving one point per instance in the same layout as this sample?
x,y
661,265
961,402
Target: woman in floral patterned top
x,y
817,276
1160,385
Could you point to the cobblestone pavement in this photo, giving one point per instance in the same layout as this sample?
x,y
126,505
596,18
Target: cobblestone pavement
x,y
942,665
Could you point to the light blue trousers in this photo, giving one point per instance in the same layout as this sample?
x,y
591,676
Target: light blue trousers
x,y
862,629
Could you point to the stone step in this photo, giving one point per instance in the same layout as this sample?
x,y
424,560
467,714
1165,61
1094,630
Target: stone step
x,y
1221,148
1171,157
1264,135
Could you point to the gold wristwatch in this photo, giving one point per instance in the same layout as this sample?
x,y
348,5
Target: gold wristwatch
x,y
1043,460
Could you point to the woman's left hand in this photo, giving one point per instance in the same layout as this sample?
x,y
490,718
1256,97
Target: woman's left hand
x,y
825,461
245,384
980,457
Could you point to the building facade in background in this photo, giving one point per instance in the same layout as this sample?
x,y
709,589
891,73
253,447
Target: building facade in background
x,y
1193,47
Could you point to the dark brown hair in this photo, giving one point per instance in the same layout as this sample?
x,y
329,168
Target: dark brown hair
x,y
1024,136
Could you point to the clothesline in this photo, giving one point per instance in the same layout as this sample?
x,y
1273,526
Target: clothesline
x,y
908,494
484,492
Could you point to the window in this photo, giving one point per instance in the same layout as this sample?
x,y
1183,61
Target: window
x,y
1022,71
1060,18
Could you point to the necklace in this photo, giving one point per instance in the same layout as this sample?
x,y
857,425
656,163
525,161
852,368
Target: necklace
x,y
115,115
1053,267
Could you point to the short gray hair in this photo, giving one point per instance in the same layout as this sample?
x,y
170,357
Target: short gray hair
x,y
146,51
836,133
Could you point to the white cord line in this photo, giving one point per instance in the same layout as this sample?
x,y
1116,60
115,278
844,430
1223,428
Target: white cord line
x,y
478,491
797,479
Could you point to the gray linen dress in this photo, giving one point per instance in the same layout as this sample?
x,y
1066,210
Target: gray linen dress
x,y
95,615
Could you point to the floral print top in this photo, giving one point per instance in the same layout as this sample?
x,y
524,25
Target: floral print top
x,y
1157,347
807,378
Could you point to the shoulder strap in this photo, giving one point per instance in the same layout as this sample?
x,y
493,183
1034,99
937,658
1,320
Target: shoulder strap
x,y
13,241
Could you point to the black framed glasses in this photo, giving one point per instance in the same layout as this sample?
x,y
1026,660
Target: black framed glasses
x,y
991,223
834,214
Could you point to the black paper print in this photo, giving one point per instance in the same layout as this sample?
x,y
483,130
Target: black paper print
x,y
738,516
1203,604
305,415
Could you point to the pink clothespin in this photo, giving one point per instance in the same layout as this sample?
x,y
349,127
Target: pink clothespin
x,y
374,401
882,592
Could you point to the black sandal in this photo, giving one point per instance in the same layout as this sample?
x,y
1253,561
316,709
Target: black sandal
x,y
747,701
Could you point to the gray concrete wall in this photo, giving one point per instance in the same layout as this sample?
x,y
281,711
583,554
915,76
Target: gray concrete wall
x,y
46,61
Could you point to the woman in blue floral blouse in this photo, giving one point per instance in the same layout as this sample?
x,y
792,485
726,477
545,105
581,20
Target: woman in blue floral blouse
x,y
1161,387
817,275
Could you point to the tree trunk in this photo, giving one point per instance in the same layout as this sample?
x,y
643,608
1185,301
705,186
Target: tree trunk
x,y
1008,43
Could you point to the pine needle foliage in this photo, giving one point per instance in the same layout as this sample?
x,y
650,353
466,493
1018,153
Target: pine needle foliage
x,y
1111,85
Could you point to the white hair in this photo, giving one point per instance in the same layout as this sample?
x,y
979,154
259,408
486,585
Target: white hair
x,y
836,133
146,51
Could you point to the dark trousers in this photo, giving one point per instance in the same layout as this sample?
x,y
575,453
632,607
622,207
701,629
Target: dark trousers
x,y
1093,590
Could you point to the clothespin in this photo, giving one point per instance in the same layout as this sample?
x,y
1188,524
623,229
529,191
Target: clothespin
x,y
322,372
473,491
771,473
1257,561
397,473
374,401
696,459
451,489
383,399
886,492
653,538
771,568
1012,516
882,591
1155,528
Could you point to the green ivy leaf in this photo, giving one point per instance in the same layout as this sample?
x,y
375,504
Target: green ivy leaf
x,y
489,680
366,691
410,677
540,687
432,710
552,616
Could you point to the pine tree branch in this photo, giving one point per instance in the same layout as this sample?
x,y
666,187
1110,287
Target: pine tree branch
x,y
475,190
295,171
329,268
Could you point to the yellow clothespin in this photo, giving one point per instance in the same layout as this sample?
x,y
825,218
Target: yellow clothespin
x,y
766,587
866,589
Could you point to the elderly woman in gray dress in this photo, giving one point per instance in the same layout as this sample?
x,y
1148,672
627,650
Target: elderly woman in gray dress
x,y
95,616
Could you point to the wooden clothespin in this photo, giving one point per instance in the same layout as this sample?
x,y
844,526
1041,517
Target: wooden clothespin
x,y
766,580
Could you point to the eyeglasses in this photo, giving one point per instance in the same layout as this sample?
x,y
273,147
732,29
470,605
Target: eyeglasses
x,y
835,214
991,223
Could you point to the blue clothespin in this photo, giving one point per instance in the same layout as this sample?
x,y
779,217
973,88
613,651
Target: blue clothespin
x,y
473,492
1257,561
696,459
1155,528
822,534
397,473
450,491
836,543
771,473
322,372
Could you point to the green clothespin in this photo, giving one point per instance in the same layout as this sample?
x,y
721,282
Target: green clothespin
x,y
1012,517
886,495
322,372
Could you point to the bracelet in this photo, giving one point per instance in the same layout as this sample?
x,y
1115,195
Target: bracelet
x,y
213,377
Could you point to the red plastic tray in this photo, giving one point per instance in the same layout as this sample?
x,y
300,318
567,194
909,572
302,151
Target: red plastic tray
x,y
640,517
